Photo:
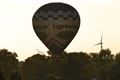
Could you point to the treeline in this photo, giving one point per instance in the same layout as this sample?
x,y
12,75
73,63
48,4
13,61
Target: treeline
x,y
68,66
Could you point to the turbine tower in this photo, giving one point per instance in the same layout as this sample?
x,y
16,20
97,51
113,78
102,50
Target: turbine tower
x,y
100,43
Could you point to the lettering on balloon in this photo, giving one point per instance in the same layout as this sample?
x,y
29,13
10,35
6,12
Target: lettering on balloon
x,y
39,26
57,26
65,26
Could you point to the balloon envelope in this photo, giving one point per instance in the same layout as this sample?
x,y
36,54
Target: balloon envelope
x,y
56,24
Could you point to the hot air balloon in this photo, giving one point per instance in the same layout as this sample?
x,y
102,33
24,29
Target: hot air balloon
x,y
56,24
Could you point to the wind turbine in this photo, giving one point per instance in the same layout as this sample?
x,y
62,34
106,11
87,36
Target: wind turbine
x,y
100,43
38,51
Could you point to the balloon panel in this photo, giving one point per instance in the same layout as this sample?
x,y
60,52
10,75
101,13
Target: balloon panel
x,y
56,24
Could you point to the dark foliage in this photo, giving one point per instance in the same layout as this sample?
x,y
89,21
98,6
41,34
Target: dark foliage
x,y
68,66
8,63
1,76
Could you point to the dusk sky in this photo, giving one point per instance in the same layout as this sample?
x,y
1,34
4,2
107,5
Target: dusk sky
x,y
97,17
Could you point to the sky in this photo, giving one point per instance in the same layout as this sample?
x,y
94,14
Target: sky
x,y
97,17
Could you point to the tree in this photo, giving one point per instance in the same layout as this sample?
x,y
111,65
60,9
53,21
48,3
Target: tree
x,y
102,63
16,76
70,66
35,68
8,63
66,66
1,76
117,58
106,56
73,64
115,70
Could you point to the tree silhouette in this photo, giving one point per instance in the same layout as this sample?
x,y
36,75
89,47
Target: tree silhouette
x,y
115,70
35,68
117,58
8,63
1,76
16,76
68,66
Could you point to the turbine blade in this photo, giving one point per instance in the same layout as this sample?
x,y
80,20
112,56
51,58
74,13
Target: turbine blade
x,y
101,38
97,44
